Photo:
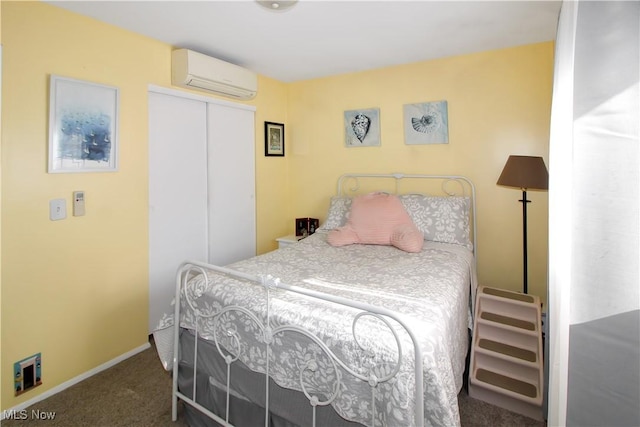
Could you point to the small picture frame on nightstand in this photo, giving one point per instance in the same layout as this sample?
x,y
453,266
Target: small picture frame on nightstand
x,y
306,226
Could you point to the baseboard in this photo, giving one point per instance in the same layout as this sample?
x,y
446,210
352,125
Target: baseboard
x,y
73,381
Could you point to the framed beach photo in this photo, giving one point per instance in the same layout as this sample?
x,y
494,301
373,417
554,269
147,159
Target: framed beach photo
x,y
83,126
426,123
362,128
273,139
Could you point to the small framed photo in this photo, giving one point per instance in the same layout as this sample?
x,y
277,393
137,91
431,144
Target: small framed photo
x,y
362,128
426,123
83,126
273,139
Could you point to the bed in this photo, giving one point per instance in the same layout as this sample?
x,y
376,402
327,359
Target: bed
x,y
322,334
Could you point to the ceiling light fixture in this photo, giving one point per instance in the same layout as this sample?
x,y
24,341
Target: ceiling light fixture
x,y
277,5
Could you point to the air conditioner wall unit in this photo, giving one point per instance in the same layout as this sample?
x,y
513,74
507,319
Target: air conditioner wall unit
x,y
194,70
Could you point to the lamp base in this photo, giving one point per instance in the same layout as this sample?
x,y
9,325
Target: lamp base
x,y
525,272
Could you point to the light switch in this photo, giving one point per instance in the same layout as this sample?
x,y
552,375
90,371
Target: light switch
x,y
78,203
57,209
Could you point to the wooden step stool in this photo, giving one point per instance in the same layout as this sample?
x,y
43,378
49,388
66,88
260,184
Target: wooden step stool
x,y
506,355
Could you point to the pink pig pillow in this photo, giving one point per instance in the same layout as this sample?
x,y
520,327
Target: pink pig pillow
x,y
378,219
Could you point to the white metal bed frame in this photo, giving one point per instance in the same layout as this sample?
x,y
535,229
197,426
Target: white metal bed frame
x,y
190,268
464,184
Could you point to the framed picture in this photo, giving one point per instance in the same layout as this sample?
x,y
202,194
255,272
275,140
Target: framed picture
x,y
273,139
362,128
83,126
426,123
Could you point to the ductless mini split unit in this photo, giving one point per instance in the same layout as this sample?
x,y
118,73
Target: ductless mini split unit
x,y
194,70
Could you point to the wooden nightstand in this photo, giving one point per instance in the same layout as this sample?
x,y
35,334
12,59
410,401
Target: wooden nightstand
x,y
288,240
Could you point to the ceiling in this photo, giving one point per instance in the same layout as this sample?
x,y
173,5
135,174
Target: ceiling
x,y
319,38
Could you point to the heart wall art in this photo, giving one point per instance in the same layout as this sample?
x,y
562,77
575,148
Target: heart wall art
x,y
362,127
426,123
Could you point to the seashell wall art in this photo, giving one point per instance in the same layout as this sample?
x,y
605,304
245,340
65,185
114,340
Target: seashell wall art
x,y
426,123
362,127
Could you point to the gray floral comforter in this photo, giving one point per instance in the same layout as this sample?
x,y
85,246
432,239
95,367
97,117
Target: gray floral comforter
x,y
429,290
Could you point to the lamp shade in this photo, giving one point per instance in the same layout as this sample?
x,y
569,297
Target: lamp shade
x,y
526,172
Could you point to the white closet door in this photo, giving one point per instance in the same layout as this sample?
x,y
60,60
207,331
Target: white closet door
x,y
231,185
177,193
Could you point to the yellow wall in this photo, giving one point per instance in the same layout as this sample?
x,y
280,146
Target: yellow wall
x,y
77,290
86,277
499,103
272,173
0,196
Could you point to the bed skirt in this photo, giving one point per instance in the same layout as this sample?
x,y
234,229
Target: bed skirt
x,y
288,408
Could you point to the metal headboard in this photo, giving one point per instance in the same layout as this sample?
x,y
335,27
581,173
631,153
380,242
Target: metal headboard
x,y
465,188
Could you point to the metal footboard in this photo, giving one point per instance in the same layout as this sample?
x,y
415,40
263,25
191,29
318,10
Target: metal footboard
x,y
268,331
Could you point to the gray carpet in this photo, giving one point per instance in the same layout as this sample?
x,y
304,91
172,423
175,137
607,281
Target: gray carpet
x,y
137,392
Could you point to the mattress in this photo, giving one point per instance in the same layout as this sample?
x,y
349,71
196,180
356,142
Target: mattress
x,y
429,290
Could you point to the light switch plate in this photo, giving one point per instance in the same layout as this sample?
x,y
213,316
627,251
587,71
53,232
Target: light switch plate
x,y
57,209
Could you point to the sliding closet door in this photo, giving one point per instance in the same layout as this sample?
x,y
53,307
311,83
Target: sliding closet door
x,y
177,193
232,207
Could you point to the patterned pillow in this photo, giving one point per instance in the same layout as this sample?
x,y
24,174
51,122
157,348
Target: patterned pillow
x,y
338,212
440,219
